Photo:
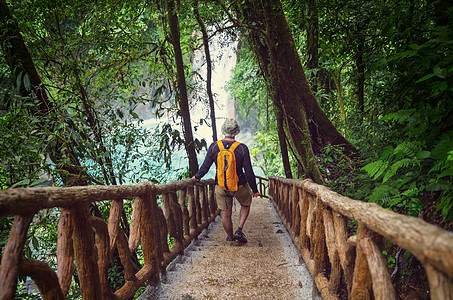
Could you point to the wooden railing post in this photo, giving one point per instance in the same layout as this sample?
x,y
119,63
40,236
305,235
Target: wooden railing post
x,y
204,205
319,240
65,256
192,213
134,238
103,253
332,251
295,218
198,208
114,222
440,285
361,282
345,253
381,281
177,219
12,256
304,206
86,254
152,255
212,202
185,215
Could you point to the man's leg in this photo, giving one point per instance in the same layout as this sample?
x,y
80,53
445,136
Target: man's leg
x,y
228,223
225,204
244,196
243,215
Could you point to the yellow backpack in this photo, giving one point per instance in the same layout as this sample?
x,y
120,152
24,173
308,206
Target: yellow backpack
x,y
227,178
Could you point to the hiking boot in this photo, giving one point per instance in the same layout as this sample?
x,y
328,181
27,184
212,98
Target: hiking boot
x,y
239,236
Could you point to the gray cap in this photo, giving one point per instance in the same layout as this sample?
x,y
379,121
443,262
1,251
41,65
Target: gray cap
x,y
230,128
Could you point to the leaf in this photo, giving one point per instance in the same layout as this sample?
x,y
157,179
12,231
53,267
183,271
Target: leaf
x,y
442,148
437,186
399,116
395,167
381,194
27,82
408,148
35,243
423,154
426,77
37,182
373,168
21,183
134,115
19,80
446,173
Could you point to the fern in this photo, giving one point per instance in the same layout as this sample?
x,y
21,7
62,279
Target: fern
x,y
443,148
382,194
387,153
445,205
376,169
399,116
409,149
395,167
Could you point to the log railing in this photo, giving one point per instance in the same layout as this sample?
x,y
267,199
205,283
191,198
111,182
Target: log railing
x,y
91,241
317,219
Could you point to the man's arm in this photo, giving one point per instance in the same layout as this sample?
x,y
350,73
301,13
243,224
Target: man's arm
x,y
249,174
206,164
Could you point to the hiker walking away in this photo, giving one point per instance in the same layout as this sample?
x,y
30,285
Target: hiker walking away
x,y
234,178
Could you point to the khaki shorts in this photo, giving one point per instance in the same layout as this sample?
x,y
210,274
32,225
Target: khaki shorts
x,y
225,198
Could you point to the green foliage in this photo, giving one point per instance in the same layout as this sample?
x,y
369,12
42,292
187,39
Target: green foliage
x,y
266,153
23,293
22,152
418,167
390,260
339,170
253,106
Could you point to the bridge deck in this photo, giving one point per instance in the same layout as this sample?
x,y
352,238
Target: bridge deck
x,y
267,267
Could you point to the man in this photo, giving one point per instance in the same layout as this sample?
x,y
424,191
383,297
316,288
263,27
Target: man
x,y
246,185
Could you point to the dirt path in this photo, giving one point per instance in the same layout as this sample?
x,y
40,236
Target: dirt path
x,y
267,267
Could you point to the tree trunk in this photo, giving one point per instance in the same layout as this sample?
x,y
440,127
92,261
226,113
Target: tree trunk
x,y
283,145
283,70
337,80
290,71
18,58
361,79
276,60
182,89
208,70
312,42
283,89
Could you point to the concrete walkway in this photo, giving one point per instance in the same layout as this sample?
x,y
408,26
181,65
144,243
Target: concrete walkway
x,y
267,267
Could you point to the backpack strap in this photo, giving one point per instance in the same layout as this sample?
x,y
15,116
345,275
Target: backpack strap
x,y
220,144
232,148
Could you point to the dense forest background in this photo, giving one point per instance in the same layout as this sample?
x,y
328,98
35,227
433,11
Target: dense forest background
x,y
353,94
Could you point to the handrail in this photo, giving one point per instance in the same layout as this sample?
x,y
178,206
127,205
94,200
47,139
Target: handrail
x,y
317,219
93,240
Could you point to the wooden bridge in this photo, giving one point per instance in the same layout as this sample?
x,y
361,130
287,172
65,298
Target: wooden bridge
x,y
318,219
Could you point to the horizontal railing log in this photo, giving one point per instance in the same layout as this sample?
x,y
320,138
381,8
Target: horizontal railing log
x,y
317,219
187,208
